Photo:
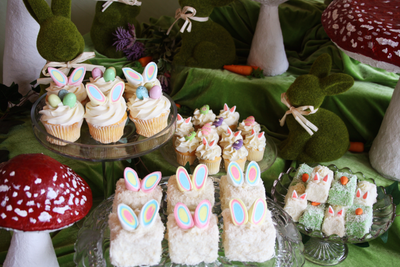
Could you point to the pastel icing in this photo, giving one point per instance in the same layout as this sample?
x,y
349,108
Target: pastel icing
x,y
199,176
148,213
258,211
202,214
150,181
183,179
183,217
127,217
235,174
132,181
77,76
252,173
238,212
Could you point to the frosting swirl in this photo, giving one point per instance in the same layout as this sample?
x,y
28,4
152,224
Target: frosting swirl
x,y
255,141
199,119
208,132
232,154
205,151
183,145
62,115
231,117
183,126
78,90
228,138
246,127
148,108
105,114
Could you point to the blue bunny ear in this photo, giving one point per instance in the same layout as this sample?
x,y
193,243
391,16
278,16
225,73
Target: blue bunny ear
x,y
95,94
150,72
58,77
133,76
116,92
77,76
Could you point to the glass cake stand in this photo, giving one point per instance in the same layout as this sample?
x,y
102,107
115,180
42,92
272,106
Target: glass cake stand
x,y
93,241
331,250
131,145
270,154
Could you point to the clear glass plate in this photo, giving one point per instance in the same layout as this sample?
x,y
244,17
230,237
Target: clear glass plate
x,y
270,154
93,241
131,145
331,250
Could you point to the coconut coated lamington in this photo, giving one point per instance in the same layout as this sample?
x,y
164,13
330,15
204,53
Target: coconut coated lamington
x,y
319,184
313,216
358,225
343,194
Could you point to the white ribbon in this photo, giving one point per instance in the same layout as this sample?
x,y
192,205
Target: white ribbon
x,y
181,14
65,67
126,2
298,115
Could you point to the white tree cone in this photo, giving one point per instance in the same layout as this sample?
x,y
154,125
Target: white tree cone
x,y
267,49
21,62
33,249
385,151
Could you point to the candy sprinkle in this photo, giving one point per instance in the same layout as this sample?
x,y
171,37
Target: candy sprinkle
x,y
305,177
359,211
344,180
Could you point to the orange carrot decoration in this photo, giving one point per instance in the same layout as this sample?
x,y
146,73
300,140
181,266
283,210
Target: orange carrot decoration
x,y
305,177
315,203
239,69
359,211
356,147
145,60
344,180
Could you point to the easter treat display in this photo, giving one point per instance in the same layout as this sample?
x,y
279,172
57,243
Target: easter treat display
x,y
148,108
193,236
236,152
110,15
209,153
318,185
39,195
209,132
253,225
230,116
333,223
315,134
104,81
255,144
185,148
183,127
235,184
295,204
135,192
202,116
136,235
247,125
343,189
189,189
106,115
358,220
205,44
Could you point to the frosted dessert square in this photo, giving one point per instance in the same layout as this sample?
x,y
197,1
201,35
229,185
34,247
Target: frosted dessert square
x,y
319,183
366,193
313,216
358,220
334,221
295,205
343,189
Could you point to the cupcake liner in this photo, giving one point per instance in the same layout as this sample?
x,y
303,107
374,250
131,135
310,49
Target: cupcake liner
x,y
108,134
212,165
152,126
255,154
69,133
241,162
183,157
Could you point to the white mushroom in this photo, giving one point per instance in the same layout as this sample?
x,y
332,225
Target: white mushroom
x,y
369,31
39,195
267,49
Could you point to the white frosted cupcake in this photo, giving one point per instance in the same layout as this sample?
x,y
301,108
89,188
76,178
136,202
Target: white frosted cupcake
x,y
220,126
208,132
103,85
186,148
202,116
255,144
231,117
229,137
236,152
183,127
210,155
247,125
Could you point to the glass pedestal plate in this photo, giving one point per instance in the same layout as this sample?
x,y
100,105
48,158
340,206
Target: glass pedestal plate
x,y
131,145
331,250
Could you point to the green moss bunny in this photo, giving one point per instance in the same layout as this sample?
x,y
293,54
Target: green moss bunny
x,y
208,44
58,39
331,140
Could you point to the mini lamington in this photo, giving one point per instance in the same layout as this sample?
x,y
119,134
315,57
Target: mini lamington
x,y
189,189
235,184
193,237
334,221
343,189
319,184
249,237
366,194
313,216
230,115
300,179
202,116
358,220
295,205
136,236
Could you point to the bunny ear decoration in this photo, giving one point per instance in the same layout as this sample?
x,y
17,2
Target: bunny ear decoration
x,y
237,133
233,109
183,180
199,176
260,135
258,211
95,94
316,177
133,77
235,174
325,178
202,214
179,117
77,76
330,210
238,210
150,72
340,212
132,181
58,77
127,217
252,173
183,217
188,120
148,213
116,92
365,196
226,108
150,182
303,196
358,193
294,194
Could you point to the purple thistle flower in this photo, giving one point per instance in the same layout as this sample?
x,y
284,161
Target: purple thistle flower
x,y
135,52
125,39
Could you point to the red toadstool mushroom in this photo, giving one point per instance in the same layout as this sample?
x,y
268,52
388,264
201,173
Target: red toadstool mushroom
x,y
369,31
39,195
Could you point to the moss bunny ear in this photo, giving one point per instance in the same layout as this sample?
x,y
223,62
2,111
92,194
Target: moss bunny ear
x,y
322,66
61,8
38,9
336,83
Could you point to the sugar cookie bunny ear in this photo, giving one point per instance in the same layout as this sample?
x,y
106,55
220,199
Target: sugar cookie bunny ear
x,y
58,77
235,174
77,76
95,94
183,180
226,108
150,182
116,92
133,77
127,217
183,217
148,213
258,211
202,214
199,176
252,173
132,181
238,210
233,109
150,72
179,117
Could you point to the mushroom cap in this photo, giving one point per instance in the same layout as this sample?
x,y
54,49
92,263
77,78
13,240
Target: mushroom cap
x,y
366,30
38,193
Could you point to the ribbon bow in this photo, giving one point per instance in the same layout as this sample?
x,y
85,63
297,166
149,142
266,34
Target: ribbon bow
x,y
298,115
126,2
187,13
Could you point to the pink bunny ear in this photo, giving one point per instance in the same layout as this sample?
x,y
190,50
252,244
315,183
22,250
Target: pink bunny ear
x,y
294,194
237,133
233,109
358,194
204,141
365,196
340,212
303,196
58,77
179,117
325,178
260,135
188,120
226,108
77,76
212,143
229,131
316,177
150,72
116,92
330,210
252,131
95,94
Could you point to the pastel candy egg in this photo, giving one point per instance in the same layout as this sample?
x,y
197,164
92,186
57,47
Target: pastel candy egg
x,y
141,92
109,74
69,100
218,122
205,109
155,92
190,136
238,144
96,72
62,93
54,100
249,121
148,85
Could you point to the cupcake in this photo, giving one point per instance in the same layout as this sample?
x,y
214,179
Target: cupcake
x,y
106,115
236,152
186,148
105,82
202,116
220,126
255,144
73,84
229,137
208,132
183,128
62,118
231,117
247,125
210,155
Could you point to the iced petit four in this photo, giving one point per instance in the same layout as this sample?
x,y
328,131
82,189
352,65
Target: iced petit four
x,y
366,193
319,183
255,144
230,116
185,148
334,221
247,125
313,216
358,220
202,116
343,189
236,152
209,153
295,205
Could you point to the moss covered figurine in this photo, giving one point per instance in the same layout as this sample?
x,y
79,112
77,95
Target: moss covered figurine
x,y
207,44
58,39
106,23
327,138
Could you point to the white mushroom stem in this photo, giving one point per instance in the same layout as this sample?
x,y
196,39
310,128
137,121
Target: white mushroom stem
x,y
33,249
267,49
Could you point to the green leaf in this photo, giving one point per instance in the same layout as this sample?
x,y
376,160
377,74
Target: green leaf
x,y
393,190
362,245
187,167
384,237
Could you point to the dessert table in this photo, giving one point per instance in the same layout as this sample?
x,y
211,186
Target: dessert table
x,y
361,108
